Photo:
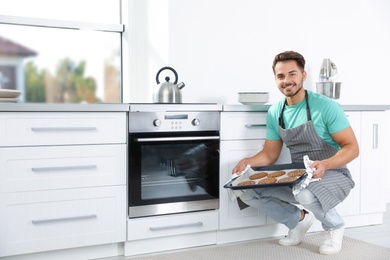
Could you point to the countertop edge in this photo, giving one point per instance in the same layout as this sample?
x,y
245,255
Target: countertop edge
x,y
125,107
264,108
45,107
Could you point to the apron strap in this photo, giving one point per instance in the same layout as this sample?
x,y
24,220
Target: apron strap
x,y
281,120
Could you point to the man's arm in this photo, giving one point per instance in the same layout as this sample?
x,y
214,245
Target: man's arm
x,y
349,151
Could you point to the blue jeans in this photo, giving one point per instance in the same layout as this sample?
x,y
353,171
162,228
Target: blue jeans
x,y
278,203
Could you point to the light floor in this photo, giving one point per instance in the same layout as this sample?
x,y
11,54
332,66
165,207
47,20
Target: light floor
x,y
375,234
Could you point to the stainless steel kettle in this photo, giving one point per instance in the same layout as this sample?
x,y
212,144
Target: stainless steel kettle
x,y
168,92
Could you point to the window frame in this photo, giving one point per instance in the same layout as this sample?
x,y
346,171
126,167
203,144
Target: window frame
x,y
60,24
78,25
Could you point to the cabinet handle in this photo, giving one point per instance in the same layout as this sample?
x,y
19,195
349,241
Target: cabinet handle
x,y
375,136
196,224
62,129
255,125
63,219
63,168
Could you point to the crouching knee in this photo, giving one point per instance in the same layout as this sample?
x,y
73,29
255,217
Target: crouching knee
x,y
305,197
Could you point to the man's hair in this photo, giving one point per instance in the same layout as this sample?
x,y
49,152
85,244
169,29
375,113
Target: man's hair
x,y
290,55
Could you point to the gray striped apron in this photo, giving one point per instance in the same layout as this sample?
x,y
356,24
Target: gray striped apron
x,y
302,140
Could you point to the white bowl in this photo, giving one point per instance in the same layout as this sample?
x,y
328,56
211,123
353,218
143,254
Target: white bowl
x,y
9,93
253,103
253,97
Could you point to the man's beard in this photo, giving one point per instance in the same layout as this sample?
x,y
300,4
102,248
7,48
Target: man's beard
x,y
296,92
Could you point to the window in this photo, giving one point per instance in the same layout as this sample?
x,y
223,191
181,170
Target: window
x,y
63,52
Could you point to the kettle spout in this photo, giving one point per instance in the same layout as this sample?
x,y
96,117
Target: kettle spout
x,y
181,85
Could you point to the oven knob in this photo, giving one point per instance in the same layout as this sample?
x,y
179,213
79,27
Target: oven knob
x,y
157,122
195,122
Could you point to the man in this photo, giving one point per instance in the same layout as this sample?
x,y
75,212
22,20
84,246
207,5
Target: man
x,y
309,124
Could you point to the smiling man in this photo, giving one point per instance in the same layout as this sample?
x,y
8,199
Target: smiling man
x,y
309,124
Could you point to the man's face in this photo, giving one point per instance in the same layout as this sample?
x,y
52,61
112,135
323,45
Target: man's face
x,y
289,77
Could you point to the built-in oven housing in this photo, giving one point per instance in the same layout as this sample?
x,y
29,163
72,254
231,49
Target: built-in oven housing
x,y
173,162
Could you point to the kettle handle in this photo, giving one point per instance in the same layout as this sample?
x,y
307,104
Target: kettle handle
x,y
167,68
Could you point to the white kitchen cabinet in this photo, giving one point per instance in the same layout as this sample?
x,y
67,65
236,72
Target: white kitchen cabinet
x,y
242,135
56,219
62,180
172,224
60,167
170,232
367,197
372,154
230,214
243,125
61,128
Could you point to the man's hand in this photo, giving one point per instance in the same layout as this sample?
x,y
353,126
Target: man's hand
x,y
319,168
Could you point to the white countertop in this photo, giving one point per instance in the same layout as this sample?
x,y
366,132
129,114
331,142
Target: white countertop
x,y
54,107
265,107
125,107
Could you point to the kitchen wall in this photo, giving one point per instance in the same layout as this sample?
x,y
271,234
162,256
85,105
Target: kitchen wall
x,y
222,47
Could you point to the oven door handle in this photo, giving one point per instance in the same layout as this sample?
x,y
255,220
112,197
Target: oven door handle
x,y
184,138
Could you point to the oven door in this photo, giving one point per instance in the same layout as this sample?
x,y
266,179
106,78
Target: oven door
x,y
173,172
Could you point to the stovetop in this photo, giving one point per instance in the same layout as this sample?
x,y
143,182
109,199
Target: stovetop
x,y
172,107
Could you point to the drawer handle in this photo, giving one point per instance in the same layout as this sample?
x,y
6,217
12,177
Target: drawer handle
x,y
375,136
196,224
255,125
63,219
62,129
63,168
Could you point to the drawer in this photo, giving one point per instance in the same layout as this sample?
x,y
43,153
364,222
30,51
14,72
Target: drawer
x,y
243,125
169,225
50,220
49,167
56,128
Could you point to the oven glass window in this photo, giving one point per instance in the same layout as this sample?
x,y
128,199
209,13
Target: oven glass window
x,y
172,171
180,170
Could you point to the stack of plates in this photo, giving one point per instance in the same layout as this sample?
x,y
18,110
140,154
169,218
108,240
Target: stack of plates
x,y
253,98
9,95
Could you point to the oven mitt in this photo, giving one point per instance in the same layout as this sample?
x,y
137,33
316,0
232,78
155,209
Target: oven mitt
x,y
234,194
306,181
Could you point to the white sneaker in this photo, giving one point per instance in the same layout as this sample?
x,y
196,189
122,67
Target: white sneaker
x,y
333,240
296,234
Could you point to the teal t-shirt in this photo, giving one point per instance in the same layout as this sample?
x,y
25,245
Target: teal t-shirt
x,y
327,116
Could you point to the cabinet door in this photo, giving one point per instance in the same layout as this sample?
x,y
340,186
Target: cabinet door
x,y
61,167
243,125
372,150
57,128
230,214
58,219
351,205
171,225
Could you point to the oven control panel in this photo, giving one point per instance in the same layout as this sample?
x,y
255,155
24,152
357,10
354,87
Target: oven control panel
x,y
141,122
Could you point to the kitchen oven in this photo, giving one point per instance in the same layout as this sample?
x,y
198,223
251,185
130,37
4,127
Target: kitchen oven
x,y
173,158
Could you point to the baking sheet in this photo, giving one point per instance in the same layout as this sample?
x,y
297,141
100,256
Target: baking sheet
x,y
232,184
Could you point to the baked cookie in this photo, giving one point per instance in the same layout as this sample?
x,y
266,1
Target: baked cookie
x,y
243,183
258,175
276,174
267,180
295,173
288,179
